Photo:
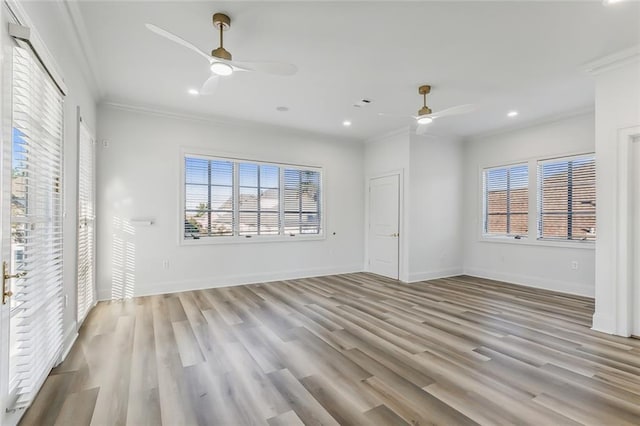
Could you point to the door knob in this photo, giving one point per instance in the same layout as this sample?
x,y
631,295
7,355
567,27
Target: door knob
x,y
6,293
395,234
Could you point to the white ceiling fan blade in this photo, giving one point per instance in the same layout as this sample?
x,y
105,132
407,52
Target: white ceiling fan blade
x,y
421,129
456,110
275,68
210,85
166,34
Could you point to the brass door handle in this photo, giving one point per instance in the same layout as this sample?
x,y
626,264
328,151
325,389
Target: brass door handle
x,y
6,293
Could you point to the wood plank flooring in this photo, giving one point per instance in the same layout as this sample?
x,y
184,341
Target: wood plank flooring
x,y
347,349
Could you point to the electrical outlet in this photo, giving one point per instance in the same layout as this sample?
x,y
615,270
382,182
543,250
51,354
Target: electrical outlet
x,y
574,265
165,264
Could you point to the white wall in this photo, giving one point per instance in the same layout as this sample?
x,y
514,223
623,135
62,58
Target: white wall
x,y
382,155
527,261
617,108
431,168
436,187
138,176
51,22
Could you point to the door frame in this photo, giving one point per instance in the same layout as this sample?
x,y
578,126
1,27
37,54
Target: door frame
x,y
81,123
623,287
403,269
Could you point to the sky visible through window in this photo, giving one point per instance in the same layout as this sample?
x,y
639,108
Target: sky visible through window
x,y
497,178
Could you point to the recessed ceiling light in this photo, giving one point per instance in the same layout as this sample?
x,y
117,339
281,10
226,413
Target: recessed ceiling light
x,y
282,108
346,123
193,92
222,69
512,113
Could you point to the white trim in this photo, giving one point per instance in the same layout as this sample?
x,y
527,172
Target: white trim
x,y
525,241
548,120
613,61
155,288
603,323
244,239
403,272
224,121
69,339
531,238
531,281
623,285
80,40
434,275
405,130
24,30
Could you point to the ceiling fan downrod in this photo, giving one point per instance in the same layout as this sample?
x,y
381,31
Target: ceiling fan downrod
x,y
221,22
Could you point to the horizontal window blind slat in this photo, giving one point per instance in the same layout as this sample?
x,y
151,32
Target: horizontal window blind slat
x,y
36,217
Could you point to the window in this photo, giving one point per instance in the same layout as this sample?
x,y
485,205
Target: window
x,y
36,226
567,198
506,200
86,223
235,198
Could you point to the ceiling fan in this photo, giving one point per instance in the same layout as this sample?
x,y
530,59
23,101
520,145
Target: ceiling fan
x,y
220,60
426,116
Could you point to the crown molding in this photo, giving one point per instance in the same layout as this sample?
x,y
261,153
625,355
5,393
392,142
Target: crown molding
x,y
533,123
404,130
81,44
613,61
222,121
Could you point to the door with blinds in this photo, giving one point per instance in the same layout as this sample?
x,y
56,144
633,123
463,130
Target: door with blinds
x,y
86,222
32,309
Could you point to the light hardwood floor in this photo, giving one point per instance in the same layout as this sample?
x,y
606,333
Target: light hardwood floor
x,y
348,349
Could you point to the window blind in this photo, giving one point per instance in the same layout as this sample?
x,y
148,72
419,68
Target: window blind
x,y
506,200
302,201
86,223
567,198
235,198
36,226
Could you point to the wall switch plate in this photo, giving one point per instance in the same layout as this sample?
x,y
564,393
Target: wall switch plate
x,y
165,264
574,265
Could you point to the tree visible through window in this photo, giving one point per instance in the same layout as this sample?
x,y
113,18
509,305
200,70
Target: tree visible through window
x,y
225,197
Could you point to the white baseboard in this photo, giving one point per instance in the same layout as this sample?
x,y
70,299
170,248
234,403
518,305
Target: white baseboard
x,y
532,281
69,339
433,275
604,323
150,289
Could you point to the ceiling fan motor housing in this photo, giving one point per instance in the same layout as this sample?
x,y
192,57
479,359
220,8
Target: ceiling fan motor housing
x,y
221,53
425,110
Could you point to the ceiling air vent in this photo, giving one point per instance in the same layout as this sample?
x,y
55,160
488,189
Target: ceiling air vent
x,y
362,103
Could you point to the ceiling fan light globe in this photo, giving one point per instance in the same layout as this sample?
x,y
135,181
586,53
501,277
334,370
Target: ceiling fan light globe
x,y
424,120
221,69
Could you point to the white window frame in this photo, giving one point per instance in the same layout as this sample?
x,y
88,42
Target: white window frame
x,y
538,206
532,239
484,214
243,239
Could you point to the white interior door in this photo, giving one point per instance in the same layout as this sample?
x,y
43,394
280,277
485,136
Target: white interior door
x,y
635,221
31,218
384,221
7,394
86,222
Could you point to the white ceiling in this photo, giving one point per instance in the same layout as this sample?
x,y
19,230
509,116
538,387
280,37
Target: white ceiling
x,y
499,55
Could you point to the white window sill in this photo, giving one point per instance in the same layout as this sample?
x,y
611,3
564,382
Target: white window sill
x,y
203,241
589,245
